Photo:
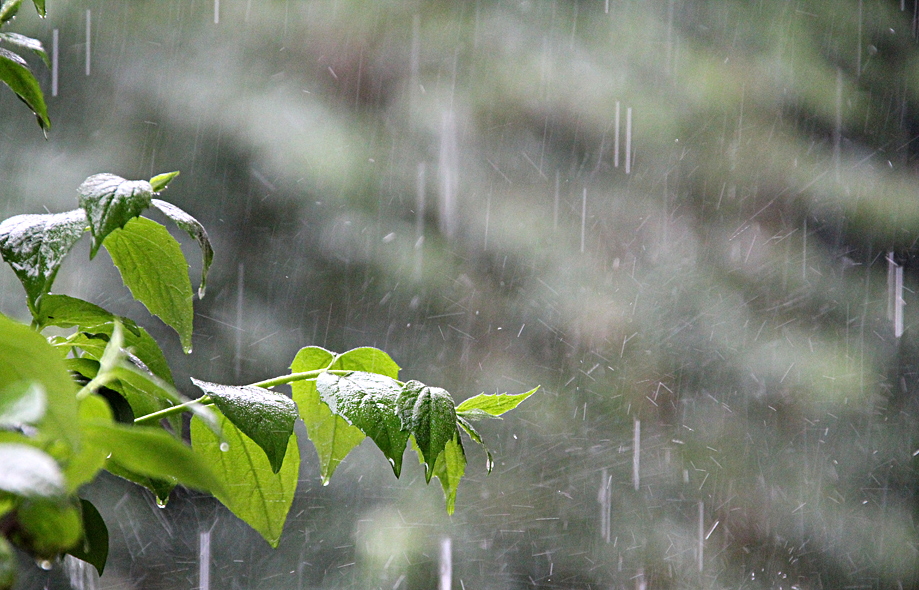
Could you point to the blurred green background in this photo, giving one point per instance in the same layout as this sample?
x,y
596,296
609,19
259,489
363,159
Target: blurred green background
x,y
694,223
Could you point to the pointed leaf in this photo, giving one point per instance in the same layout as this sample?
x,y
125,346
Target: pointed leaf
x,y
159,182
193,228
368,401
449,469
35,246
110,203
15,73
29,43
331,435
29,472
153,268
8,9
493,405
64,311
40,7
93,548
153,452
428,414
251,489
161,488
22,402
264,416
370,360
26,356
140,349
475,436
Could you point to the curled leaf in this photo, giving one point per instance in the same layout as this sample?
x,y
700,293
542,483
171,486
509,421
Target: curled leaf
x,y
111,202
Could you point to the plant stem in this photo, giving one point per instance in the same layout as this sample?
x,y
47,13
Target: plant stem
x,y
204,400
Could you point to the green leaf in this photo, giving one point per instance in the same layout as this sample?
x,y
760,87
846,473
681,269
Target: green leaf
x,y
449,468
331,435
153,452
7,565
370,360
264,416
368,401
491,405
251,489
145,393
475,436
64,311
110,203
85,465
29,472
8,9
159,182
193,228
428,414
35,246
22,402
161,488
40,7
29,43
93,547
26,356
141,350
15,73
153,268
47,528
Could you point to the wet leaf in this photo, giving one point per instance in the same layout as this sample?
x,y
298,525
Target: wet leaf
x,y
370,360
7,565
369,402
40,7
251,489
93,547
428,414
153,268
47,528
8,9
484,405
83,467
29,472
35,246
193,228
64,311
475,436
160,488
15,73
331,435
449,469
29,43
110,203
158,183
264,416
140,349
22,402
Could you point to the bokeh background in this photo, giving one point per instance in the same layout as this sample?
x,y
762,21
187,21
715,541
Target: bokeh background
x,y
693,223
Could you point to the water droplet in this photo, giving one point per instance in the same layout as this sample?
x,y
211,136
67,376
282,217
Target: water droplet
x,y
224,446
160,503
43,564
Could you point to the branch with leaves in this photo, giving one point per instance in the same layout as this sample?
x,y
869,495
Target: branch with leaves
x,y
14,70
103,396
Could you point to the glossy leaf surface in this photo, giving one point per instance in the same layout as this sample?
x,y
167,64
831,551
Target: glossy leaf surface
x,y
110,203
251,489
8,9
193,228
485,405
159,182
428,414
29,43
15,73
29,472
64,311
93,547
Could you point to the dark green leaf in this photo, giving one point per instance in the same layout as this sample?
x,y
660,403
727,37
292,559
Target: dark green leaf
x,y
8,9
492,405
64,311
15,73
145,393
7,565
26,43
331,435
22,402
141,350
153,268
428,414
161,488
93,548
110,203
264,416
368,401
40,7
251,489
26,356
29,472
159,182
47,528
193,228
449,469
475,436
153,452
35,246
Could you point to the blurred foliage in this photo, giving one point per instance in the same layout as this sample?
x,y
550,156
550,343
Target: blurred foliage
x,y
731,291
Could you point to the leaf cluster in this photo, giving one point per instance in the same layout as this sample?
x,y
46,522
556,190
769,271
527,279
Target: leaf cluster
x,y
14,70
99,394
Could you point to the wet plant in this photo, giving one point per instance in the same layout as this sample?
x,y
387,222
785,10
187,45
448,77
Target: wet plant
x,y
98,394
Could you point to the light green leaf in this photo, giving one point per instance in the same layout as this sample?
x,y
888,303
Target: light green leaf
x,y
8,9
35,246
15,73
159,182
64,311
251,490
110,203
368,401
140,349
161,488
449,469
22,402
153,452
153,268
370,360
264,416
47,528
475,436
331,435
193,228
491,405
93,547
29,472
85,464
29,43
428,414
26,356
